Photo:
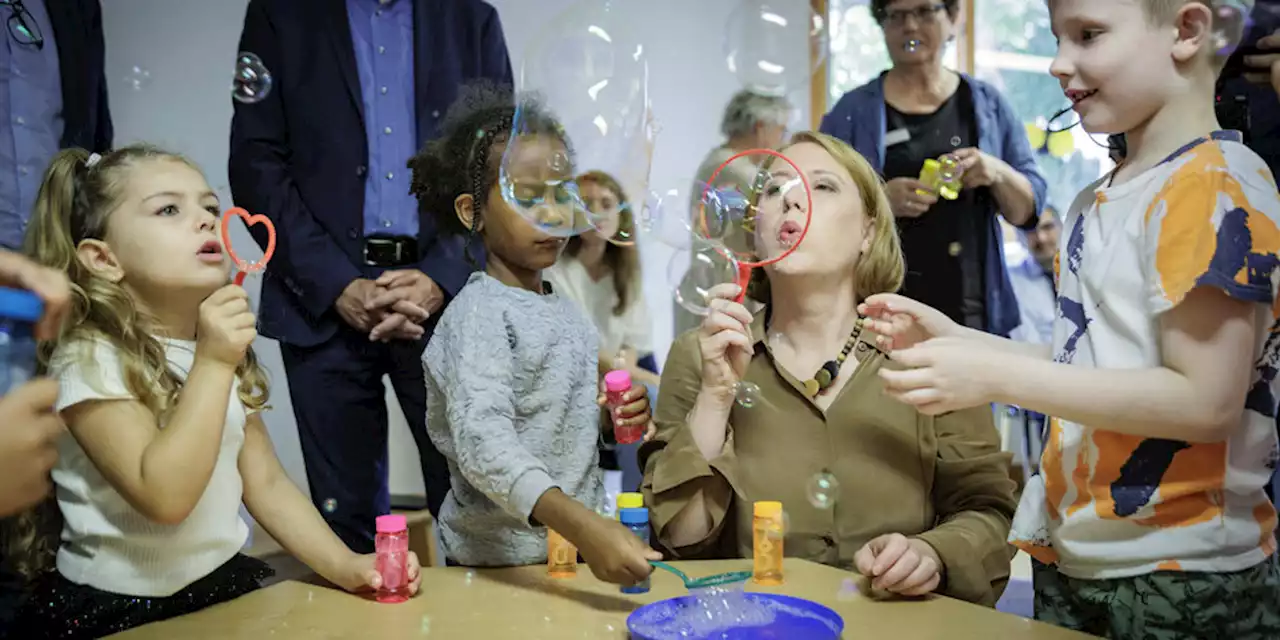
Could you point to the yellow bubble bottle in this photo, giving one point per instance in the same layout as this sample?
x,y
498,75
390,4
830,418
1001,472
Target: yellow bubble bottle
x,y
942,177
767,535
562,556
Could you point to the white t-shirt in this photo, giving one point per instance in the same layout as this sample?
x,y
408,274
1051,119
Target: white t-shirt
x,y
597,298
106,543
1113,505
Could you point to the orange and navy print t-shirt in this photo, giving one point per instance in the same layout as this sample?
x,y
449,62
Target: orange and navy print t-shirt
x,y
1109,505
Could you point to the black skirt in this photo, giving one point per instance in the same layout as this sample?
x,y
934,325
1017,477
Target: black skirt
x,y
59,608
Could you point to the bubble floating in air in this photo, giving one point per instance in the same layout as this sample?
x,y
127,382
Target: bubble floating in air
x,y
252,81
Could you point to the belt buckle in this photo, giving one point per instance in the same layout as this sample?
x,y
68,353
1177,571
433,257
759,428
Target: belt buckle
x,y
397,254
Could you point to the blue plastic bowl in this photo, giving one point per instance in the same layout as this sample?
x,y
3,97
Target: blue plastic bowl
x,y
794,618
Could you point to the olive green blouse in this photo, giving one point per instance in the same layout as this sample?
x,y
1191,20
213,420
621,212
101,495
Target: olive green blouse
x,y
940,479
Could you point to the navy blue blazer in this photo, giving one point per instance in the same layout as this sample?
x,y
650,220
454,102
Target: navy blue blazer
x,y
86,115
300,156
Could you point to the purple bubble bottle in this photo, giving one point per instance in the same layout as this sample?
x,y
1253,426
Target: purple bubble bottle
x,y
391,546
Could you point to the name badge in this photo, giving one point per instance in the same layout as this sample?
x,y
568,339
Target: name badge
x,y
897,136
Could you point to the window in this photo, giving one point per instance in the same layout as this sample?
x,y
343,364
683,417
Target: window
x,y
1013,50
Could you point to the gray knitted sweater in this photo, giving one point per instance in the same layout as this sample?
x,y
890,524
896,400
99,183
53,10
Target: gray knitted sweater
x,y
511,403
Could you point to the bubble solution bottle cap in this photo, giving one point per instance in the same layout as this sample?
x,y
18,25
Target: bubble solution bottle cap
x,y
767,509
634,516
393,523
617,380
24,306
630,501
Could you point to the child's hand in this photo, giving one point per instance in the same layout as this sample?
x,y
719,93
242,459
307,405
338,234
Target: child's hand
x,y
614,553
943,374
901,565
903,322
226,326
635,409
360,574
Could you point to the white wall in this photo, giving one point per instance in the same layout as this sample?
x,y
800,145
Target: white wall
x,y
189,47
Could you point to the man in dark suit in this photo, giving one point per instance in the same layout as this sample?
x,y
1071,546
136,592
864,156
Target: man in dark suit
x,y
359,86
53,95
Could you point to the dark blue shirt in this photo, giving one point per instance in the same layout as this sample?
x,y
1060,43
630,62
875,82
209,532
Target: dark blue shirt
x,y
30,120
382,32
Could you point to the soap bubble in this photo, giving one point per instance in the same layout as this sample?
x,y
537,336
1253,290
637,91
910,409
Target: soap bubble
x,y
138,78
668,214
329,505
823,490
425,628
693,274
252,81
848,590
772,46
911,45
592,75
1230,24
610,216
746,393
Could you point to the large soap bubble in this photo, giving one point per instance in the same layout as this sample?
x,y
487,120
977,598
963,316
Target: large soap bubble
x,y
590,70
772,46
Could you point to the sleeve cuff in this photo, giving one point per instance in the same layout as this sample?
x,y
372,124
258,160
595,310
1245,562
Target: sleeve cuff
x,y
525,493
680,465
968,574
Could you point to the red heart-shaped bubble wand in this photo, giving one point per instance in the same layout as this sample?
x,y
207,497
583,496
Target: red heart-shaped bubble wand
x,y
245,268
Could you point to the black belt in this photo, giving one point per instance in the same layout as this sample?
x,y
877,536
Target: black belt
x,y
390,251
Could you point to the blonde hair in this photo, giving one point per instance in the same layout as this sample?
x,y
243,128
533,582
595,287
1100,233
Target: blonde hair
x,y
623,261
881,268
74,204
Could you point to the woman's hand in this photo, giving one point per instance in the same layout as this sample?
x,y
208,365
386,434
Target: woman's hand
x,y
360,574
725,341
909,198
901,565
903,322
979,169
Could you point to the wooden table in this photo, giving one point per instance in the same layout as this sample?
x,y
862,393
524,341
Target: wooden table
x,y
523,604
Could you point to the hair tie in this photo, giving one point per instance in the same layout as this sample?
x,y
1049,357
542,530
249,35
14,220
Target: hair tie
x,y
93,159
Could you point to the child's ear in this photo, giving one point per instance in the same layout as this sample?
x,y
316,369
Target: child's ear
x,y
98,258
464,206
1194,26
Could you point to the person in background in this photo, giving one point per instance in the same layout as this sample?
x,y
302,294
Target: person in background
x,y
919,110
53,95
358,267
603,278
28,441
751,120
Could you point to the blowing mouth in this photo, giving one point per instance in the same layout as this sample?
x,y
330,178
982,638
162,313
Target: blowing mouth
x,y
789,233
210,248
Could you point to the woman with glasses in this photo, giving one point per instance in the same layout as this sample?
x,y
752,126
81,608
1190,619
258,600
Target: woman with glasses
x,y
919,110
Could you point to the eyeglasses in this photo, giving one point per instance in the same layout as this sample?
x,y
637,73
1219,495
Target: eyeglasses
x,y
924,15
22,26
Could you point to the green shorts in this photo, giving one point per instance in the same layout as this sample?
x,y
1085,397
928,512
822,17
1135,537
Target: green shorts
x,y
1164,605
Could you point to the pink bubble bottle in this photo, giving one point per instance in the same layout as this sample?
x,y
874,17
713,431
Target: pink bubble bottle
x,y
391,546
616,384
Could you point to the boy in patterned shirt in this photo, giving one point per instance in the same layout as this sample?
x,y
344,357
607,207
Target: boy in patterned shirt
x,y
1149,519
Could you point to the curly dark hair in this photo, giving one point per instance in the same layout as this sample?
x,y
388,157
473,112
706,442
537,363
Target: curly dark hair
x,y
879,8
466,156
